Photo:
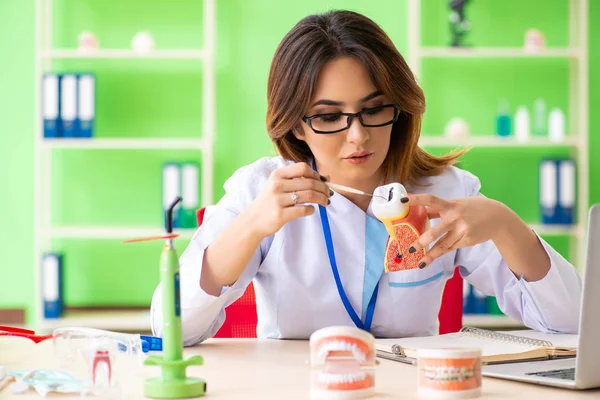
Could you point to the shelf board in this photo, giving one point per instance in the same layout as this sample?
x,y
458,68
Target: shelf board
x,y
115,320
497,52
488,321
494,141
556,230
125,54
123,143
106,232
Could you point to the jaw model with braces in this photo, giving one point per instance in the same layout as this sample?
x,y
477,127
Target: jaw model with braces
x,y
449,373
343,361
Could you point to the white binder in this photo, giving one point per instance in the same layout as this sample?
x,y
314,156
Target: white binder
x,y
52,285
68,105
549,191
190,202
50,110
566,192
86,96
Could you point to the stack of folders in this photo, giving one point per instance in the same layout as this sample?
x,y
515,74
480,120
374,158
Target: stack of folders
x,y
557,191
496,347
181,179
52,284
68,105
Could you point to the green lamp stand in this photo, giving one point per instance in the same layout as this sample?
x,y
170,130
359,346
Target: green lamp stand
x,y
173,382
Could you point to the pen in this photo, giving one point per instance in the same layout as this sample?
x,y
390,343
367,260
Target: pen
x,y
347,189
396,357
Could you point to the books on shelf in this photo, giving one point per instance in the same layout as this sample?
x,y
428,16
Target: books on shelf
x,y
475,302
68,105
557,191
190,180
181,179
52,284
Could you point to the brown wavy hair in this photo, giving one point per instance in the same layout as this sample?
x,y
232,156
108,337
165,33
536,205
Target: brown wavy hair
x,y
320,38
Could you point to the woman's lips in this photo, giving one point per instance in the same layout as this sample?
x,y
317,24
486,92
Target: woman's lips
x,y
358,159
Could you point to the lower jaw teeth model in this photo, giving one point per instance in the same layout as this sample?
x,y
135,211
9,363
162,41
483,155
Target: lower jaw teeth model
x,y
342,363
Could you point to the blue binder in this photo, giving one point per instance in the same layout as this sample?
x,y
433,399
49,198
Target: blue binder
x,y
479,302
549,191
190,180
467,295
50,104
68,106
86,103
52,288
566,191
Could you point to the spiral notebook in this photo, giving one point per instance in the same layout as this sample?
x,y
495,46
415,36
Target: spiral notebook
x,y
496,347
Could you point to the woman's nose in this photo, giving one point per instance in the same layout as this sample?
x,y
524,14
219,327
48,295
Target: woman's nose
x,y
357,133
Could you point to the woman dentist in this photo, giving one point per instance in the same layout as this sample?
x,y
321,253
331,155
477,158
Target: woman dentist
x,y
344,107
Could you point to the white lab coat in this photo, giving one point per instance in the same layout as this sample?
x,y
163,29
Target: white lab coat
x,y
296,293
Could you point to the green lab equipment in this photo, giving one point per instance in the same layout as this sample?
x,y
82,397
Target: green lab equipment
x,y
173,382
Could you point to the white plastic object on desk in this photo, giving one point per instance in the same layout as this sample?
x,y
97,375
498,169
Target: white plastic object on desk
x,y
19,387
4,378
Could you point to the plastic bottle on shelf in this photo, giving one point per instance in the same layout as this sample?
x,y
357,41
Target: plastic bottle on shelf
x,y
503,119
556,125
539,117
522,124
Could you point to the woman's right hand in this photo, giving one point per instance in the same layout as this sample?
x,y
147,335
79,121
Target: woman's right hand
x,y
275,205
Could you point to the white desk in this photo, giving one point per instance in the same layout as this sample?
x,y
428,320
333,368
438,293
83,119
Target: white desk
x,y
273,369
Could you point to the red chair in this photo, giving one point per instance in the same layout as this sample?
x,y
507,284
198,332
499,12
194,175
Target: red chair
x,y
450,315
241,315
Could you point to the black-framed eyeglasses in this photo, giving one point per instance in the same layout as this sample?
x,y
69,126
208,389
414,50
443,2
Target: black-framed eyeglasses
x,y
369,117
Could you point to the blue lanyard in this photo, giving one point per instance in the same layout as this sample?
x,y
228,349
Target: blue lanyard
x,y
336,275
330,251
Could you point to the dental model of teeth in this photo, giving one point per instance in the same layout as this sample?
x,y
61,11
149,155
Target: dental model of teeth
x,y
328,379
404,225
449,373
340,346
342,363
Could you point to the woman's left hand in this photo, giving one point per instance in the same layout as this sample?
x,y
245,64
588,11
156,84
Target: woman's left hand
x,y
464,222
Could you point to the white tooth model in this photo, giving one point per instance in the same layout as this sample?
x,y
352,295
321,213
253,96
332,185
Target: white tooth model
x,y
404,225
343,361
386,202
